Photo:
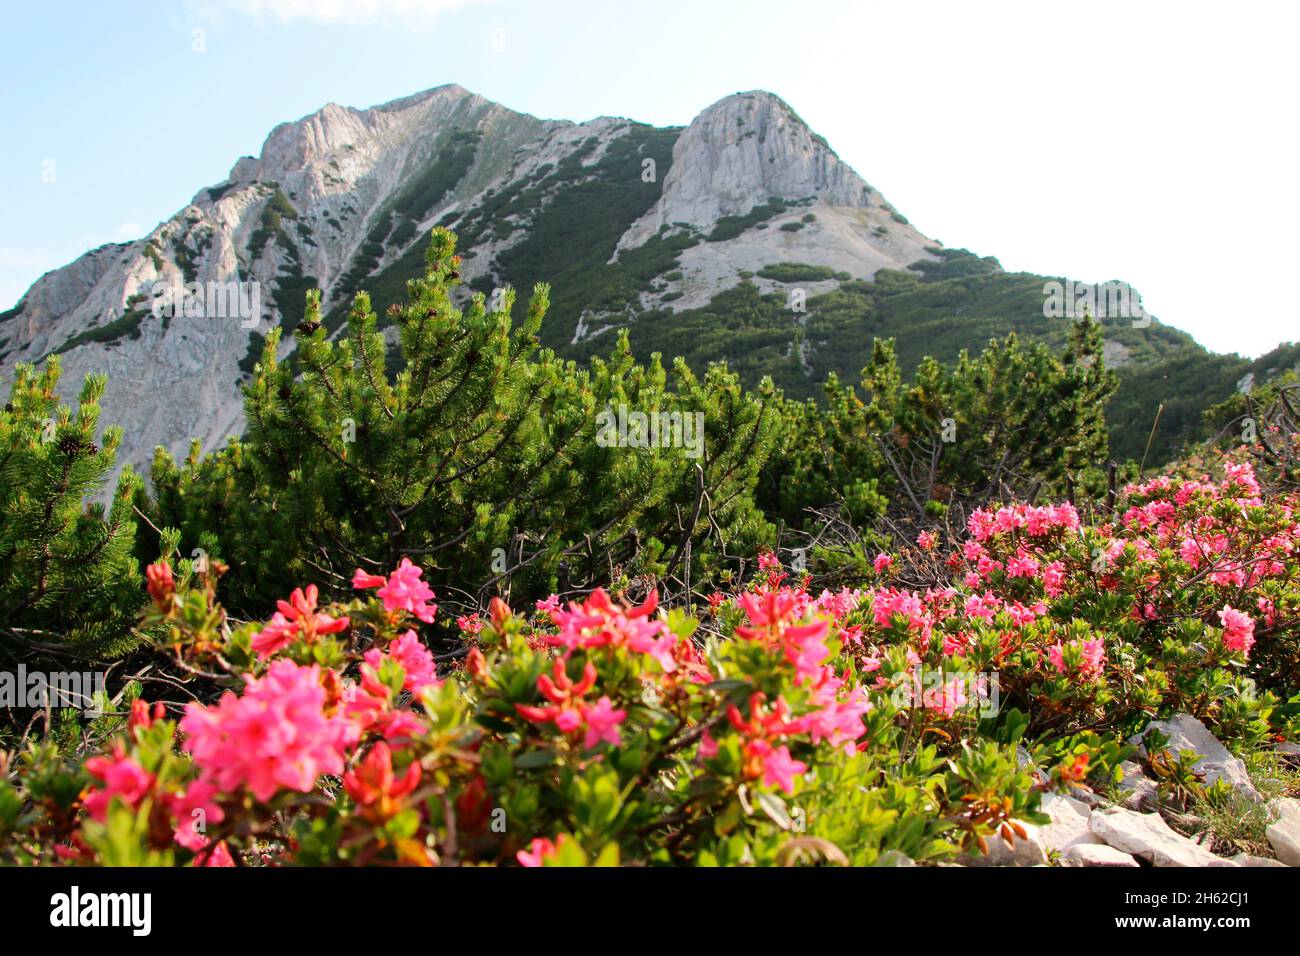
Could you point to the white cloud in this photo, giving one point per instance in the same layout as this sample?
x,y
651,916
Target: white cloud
x,y
346,12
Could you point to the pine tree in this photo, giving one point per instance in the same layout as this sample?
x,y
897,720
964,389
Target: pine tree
x,y
69,580
444,434
1012,420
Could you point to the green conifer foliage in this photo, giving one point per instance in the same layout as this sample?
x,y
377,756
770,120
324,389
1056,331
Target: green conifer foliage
x,y
446,435
69,580
1014,419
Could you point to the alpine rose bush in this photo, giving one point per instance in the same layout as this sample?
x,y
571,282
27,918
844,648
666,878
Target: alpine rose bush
x,y
774,724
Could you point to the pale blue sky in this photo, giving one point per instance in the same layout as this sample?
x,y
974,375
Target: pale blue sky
x,y
1095,140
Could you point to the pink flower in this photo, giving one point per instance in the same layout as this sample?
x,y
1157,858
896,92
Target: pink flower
x,y
1241,477
947,698
778,768
565,694
470,624
771,618
372,784
1022,566
550,604
882,562
415,658
402,590
537,853
122,777
362,579
1092,655
1267,609
768,561
662,648
276,736
599,622
1054,579
602,723
295,618
838,722
1238,629
194,810
926,540
219,855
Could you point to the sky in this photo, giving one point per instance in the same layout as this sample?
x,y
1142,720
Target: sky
x,y
1148,141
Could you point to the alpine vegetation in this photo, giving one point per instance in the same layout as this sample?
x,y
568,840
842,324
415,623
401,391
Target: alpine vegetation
x,y
453,598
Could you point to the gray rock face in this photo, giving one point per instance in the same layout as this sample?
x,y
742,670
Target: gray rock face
x,y
742,151
1147,836
1284,833
341,170
1185,732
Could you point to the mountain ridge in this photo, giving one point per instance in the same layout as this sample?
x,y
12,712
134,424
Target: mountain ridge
x,y
660,229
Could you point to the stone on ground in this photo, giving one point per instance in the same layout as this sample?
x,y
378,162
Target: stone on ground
x,y
1185,732
1146,835
1096,854
1284,833
1139,790
1069,822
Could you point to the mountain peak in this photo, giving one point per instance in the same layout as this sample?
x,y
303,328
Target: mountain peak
x,y
742,151
445,91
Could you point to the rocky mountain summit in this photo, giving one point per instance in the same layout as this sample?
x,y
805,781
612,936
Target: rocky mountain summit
x,y
693,238
338,196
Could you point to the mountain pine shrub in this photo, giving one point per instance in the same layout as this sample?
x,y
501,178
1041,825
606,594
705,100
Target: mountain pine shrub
x,y
450,438
69,581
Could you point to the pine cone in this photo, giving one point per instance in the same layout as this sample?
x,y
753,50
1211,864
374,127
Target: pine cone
x,y
70,445
307,328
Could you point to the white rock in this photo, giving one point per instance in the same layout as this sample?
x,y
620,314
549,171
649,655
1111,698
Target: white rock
x,y
1284,833
1288,749
1245,859
1140,791
895,858
1069,822
1026,852
1185,732
1096,854
1146,835
1088,797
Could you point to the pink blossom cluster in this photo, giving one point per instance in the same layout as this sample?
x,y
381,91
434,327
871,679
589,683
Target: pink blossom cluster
x,y
275,736
401,591
1035,521
569,712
